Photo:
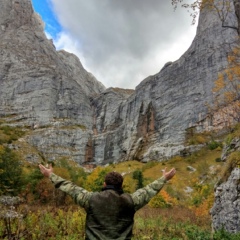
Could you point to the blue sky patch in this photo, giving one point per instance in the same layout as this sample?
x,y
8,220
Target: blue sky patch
x,y
44,9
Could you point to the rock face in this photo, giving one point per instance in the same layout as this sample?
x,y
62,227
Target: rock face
x,y
225,211
37,83
41,87
163,106
73,115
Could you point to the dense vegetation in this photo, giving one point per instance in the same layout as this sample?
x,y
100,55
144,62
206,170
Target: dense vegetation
x,y
179,211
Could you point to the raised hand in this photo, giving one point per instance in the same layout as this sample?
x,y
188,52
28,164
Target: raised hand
x,y
168,175
46,171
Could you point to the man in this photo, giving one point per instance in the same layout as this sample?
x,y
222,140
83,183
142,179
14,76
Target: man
x,y
110,213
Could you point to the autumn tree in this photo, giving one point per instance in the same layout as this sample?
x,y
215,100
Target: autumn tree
x,y
227,89
95,180
10,172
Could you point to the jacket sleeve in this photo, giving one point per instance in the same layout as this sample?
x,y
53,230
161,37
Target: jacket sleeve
x,y
80,195
143,195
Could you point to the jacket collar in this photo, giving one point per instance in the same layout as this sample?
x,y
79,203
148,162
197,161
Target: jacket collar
x,y
111,187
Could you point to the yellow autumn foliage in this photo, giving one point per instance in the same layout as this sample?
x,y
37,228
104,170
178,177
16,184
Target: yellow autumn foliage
x,y
95,180
162,200
230,74
203,209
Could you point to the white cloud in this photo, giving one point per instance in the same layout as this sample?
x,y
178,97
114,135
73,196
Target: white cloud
x,y
123,42
69,44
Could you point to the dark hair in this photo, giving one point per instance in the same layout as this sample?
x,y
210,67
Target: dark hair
x,y
114,178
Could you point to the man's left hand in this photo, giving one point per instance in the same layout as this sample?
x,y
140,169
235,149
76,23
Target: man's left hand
x,y
46,171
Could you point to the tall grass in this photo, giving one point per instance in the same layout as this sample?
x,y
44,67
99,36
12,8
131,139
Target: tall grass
x,y
48,222
45,223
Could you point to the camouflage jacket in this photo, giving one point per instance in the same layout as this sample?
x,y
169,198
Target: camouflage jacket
x,y
81,196
107,221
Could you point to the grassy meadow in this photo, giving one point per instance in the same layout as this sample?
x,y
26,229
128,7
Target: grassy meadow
x,y
179,211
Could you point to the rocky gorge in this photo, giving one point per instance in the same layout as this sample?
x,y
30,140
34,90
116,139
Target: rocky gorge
x,y
68,113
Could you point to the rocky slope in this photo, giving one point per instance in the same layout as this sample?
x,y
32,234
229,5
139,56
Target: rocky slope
x,y
225,211
71,114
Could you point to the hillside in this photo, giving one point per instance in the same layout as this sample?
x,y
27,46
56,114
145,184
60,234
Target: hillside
x,y
184,203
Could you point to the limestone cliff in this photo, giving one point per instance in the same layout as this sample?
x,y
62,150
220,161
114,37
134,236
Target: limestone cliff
x,y
73,115
156,116
38,83
43,88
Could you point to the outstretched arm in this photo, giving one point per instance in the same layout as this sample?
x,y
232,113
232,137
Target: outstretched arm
x,y
143,195
80,195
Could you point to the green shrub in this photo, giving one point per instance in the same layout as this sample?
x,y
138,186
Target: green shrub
x,y
213,145
137,175
223,234
10,172
193,232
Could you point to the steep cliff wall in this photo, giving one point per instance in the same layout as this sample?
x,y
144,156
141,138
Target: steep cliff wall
x,y
157,114
71,113
37,82
43,88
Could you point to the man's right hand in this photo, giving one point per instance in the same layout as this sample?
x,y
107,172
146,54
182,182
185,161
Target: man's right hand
x,y
46,171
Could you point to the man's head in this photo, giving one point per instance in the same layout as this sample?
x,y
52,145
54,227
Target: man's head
x,y
115,179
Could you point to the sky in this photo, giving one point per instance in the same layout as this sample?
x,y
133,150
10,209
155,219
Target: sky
x,y
121,42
